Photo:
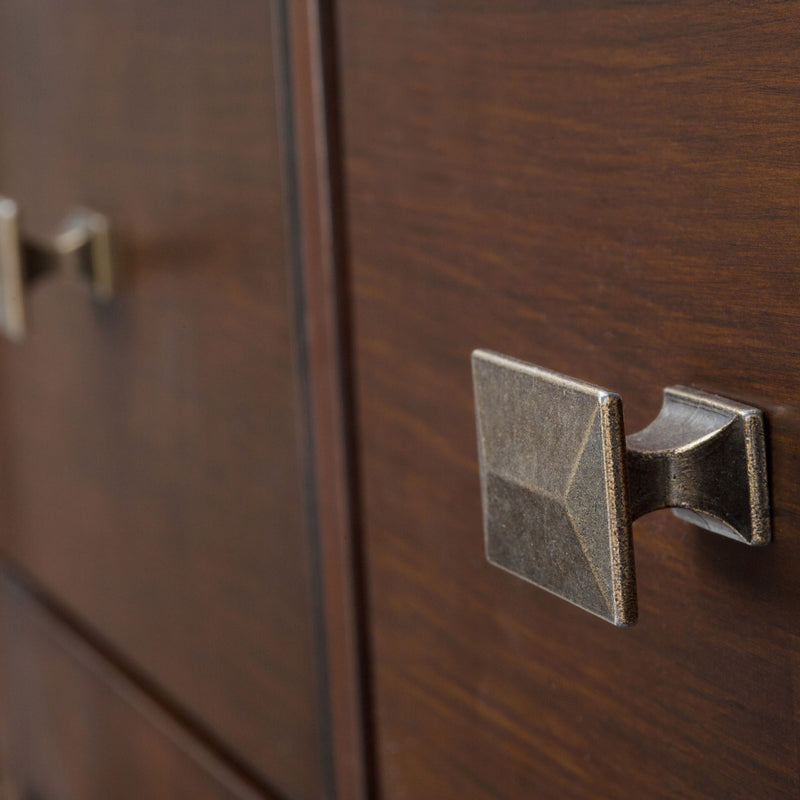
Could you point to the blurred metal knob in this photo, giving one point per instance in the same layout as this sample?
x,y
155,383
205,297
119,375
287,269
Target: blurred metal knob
x,y
81,247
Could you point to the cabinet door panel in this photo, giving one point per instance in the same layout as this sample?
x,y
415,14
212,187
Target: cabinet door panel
x,y
609,190
153,456
75,728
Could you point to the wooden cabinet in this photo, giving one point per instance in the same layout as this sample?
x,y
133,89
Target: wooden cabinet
x,y
249,486
608,190
76,729
155,463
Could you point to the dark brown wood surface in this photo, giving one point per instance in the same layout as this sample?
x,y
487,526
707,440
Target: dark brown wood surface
x,y
151,452
74,728
314,82
609,190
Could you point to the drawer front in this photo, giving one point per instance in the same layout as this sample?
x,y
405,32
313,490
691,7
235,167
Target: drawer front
x,y
608,190
76,729
153,452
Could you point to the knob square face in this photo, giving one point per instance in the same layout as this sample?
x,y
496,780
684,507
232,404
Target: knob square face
x,y
553,484
12,307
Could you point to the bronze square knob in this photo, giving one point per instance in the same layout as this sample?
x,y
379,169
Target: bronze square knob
x,y
556,471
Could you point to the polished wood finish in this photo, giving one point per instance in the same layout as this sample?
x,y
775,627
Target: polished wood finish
x,y
316,126
609,190
73,727
153,453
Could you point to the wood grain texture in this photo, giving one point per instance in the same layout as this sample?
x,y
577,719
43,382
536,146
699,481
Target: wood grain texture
x,y
75,728
609,190
314,104
152,454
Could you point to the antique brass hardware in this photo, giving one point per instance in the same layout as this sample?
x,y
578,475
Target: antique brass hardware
x,y
561,485
81,247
